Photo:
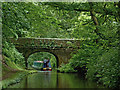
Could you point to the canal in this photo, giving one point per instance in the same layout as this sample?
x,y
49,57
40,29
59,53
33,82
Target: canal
x,y
55,80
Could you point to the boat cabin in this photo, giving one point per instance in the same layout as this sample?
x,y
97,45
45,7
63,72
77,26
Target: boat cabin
x,y
42,65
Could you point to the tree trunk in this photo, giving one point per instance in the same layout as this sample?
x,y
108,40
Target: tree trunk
x,y
92,13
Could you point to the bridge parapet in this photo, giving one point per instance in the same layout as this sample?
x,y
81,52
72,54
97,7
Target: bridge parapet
x,y
46,42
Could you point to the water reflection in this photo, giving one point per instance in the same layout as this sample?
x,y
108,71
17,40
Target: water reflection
x,y
54,80
41,80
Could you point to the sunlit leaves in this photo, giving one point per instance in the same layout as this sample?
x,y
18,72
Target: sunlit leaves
x,y
14,20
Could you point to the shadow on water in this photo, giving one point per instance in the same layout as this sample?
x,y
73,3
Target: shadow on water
x,y
54,80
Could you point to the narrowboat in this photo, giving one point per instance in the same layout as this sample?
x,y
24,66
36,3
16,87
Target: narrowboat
x,y
40,65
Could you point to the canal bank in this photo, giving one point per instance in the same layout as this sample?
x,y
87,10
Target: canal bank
x,y
15,77
12,73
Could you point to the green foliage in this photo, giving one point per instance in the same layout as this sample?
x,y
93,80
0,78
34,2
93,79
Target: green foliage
x,y
66,68
106,69
40,57
12,55
14,21
53,61
99,59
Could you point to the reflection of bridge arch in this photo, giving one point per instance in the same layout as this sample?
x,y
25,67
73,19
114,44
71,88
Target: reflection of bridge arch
x,y
57,60
60,48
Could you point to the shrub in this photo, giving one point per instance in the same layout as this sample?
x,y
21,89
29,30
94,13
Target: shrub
x,y
106,70
12,55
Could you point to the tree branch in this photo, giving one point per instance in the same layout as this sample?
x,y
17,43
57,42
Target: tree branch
x,y
80,9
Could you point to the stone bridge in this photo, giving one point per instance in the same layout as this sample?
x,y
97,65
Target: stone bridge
x,y
60,48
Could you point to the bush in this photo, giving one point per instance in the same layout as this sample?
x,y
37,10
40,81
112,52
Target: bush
x,y
106,70
12,55
66,68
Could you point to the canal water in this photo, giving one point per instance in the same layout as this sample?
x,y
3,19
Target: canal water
x,y
55,80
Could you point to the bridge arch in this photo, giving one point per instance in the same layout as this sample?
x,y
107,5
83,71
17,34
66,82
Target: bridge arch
x,y
62,55
56,57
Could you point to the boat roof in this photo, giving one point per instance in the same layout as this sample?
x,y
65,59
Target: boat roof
x,y
39,61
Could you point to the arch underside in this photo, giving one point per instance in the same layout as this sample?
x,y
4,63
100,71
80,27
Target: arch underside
x,y
61,55
48,52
